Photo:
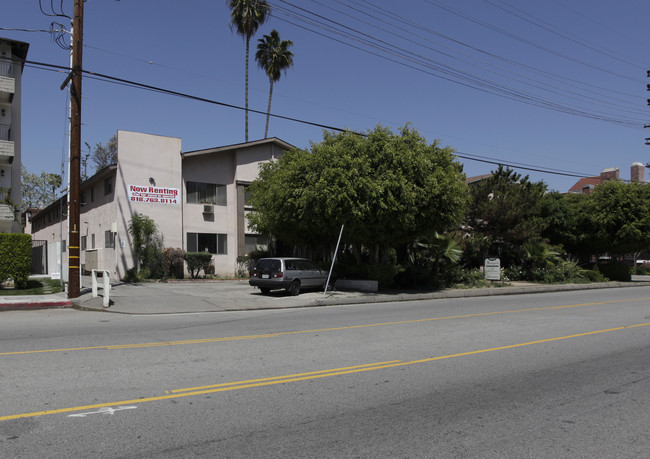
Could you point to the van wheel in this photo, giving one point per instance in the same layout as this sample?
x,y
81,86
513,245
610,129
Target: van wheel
x,y
294,289
265,290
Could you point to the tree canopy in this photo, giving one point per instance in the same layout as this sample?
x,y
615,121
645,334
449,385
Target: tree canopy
x,y
505,212
388,189
105,155
620,215
274,57
38,190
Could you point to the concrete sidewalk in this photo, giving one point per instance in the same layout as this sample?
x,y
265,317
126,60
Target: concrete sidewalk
x,y
192,296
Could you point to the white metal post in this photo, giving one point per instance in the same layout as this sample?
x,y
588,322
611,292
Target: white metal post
x,y
333,260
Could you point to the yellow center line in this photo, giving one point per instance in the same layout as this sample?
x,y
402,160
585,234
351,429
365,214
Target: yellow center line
x,y
319,330
246,384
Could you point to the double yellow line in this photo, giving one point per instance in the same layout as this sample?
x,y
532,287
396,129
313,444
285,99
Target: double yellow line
x,y
251,383
319,330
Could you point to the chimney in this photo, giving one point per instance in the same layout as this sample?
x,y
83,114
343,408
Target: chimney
x,y
609,174
637,173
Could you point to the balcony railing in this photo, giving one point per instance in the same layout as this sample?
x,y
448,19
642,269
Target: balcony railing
x,y
5,131
6,69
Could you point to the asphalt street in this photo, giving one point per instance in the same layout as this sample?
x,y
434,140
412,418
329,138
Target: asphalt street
x,y
564,374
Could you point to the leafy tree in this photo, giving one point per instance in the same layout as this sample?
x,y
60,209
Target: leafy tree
x,y
505,212
567,223
246,17
147,246
38,190
388,189
105,155
274,57
620,215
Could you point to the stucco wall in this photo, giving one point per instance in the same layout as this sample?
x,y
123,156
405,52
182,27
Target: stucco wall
x,y
145,160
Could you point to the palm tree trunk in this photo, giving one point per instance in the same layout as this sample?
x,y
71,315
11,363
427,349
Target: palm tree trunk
x,y
268,110
248,42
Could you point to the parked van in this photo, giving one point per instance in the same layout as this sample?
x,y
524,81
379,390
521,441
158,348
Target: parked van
x,y
291,274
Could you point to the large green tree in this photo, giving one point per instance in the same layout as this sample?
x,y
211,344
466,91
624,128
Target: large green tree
x,y
38,190
246,16
568,223
274,57
620,214
388,189
505,212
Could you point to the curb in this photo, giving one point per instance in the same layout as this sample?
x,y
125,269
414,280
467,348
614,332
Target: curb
x,y
32,305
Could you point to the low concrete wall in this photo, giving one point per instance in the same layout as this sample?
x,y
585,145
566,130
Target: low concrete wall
x,y
358,285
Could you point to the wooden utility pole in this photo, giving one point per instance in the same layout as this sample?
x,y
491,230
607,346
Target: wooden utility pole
x,y
75,152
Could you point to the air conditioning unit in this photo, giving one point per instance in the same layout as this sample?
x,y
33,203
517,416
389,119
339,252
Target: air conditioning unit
x,y
208,209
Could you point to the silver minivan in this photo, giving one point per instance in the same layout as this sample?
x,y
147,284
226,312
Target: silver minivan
x,y
291,274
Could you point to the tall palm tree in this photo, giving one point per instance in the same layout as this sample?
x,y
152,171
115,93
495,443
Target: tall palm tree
x,y
274,57
245,17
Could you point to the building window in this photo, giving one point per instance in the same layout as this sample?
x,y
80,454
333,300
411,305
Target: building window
x,y
206,193
207,242
83,199
109,239
92,241
84,242
108,186
247,196
253,243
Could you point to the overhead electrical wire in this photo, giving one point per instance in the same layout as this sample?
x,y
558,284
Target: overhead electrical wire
x,y
526,41
133,84
424,64
523,79
581,84
537,22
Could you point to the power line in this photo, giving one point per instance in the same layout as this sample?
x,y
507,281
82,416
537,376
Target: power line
x,y
407,58
137,85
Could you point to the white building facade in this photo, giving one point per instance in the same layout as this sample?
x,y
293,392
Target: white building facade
x,y
197,199
12,57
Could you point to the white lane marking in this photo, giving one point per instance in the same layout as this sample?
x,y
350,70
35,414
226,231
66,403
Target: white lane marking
x,y
103,410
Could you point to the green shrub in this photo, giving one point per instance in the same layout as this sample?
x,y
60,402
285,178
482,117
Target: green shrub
x,y
594,276
616,271
15,258
131,276
197,261
563,272
174,262
514,273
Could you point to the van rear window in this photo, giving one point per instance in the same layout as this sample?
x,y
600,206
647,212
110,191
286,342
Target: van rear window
x,y
268,265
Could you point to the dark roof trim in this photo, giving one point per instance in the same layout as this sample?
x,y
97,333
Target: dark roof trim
x,y
18,48
238,146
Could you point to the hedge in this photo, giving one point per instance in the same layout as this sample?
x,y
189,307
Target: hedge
x,y
15,257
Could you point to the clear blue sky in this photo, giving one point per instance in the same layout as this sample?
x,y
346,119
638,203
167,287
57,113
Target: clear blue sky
x,y
462,72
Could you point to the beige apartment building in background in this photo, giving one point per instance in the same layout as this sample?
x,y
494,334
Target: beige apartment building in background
x,y
197,199
12,57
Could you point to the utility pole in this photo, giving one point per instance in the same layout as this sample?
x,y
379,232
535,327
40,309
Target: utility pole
x,y
75,152
647,139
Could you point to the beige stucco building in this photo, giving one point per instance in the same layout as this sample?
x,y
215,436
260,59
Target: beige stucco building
x,y
12,61
196,198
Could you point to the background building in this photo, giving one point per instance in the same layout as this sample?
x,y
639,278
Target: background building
x,y
12,57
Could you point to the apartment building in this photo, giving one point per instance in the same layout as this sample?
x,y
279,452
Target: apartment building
x,y
12,57
197,199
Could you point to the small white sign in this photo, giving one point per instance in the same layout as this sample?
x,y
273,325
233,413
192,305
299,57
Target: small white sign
x,y
153,194
492,269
